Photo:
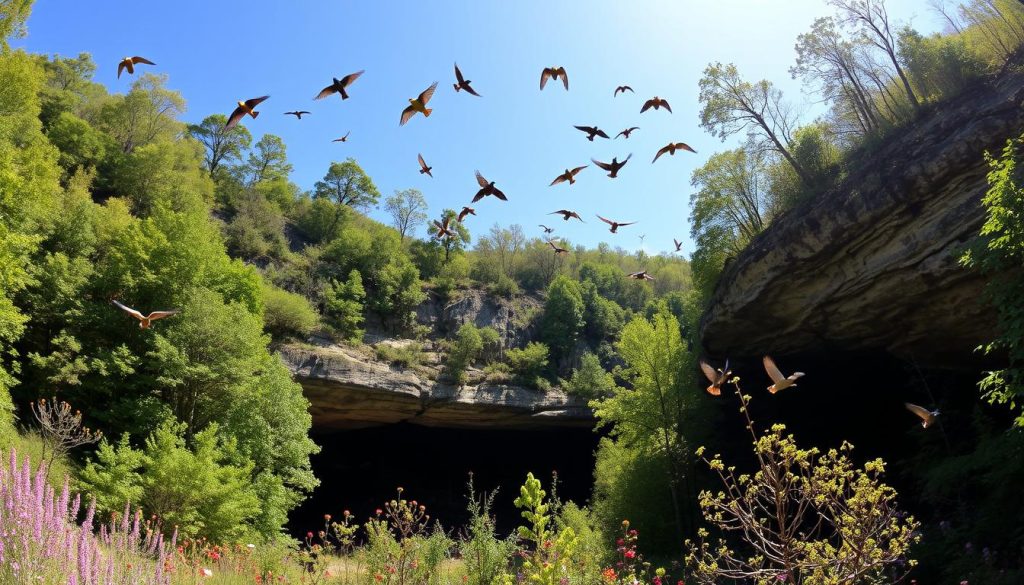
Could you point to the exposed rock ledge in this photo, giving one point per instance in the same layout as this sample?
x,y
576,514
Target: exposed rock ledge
x,y
347,391
872,265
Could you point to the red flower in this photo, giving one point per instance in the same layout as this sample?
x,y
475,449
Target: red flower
x,y
379,511
309,535
619,542
630,554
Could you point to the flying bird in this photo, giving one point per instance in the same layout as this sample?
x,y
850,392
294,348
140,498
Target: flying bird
x,y
246,107
717,377
339,85
642,275
642,238
343,138
463,83
465,211
298,114
622,89
927,416
566,214
418,104
443,231
487,188
591,132
615,224
656,103
546,229
144,320
553,73
626,132
568,175
129,63
558,250
781,382
671,149
679,245
612,167
424,169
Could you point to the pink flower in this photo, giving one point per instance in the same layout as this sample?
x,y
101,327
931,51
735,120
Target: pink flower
x,y
630,554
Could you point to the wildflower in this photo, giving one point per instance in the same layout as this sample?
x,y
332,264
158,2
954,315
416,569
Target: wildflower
x,y
620,542
379,511
250,546
630,554
327,517
378,577
309,535
625,523
609,575
206,573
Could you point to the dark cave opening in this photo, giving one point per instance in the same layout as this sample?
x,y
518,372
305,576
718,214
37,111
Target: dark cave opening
x,y
361,469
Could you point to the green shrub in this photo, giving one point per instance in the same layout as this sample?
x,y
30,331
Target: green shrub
x,y
485,555
464,351
498,373
491,344
550,553
591,552
590,380
408,355
529,363
286,313
504,286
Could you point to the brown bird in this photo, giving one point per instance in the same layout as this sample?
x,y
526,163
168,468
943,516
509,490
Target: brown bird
x,y
339,85
553,73
780,382
591,132
656,103
129,63
715,376
424,169
546,229
615,224
246,107
612,167
622,89
626,132
558,250
298,114
566,214
568,175
418,104
642,275
144,320
443,231
465,211
343,138
671,149
463,84
487,188
927,416
679,245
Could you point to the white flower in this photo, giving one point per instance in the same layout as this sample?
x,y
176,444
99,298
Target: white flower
x,y
207,573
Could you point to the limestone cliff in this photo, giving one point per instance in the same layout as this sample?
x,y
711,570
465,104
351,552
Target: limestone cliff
x,y
872,264
347,390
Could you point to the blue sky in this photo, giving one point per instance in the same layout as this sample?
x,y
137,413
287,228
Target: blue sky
x,y
215,53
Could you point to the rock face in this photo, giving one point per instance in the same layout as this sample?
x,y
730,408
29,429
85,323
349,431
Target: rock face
x,y
511,318
872,265
347,391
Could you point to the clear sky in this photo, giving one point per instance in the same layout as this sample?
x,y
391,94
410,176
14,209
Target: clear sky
x,y
216,53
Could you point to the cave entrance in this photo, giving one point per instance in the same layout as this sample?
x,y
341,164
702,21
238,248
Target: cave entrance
x,y
359,470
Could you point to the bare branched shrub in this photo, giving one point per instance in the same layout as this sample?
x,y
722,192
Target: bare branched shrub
x,y
61,428
802,517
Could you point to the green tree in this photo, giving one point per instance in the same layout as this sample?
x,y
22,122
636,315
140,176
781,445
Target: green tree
x,y
407,209
223,145
149,112
347,184
529,363
999,253
563,320
732,105
343,306
13,14
650,413
268,161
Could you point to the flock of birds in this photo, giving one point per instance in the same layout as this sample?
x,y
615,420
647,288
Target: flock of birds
x,y
444,229
720,376
418,105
